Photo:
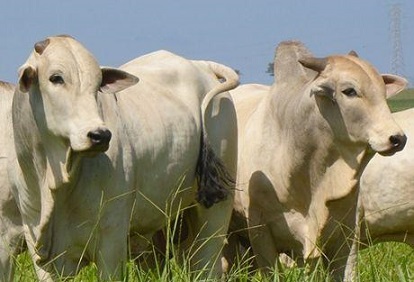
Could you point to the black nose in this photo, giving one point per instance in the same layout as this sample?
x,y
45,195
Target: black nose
x,y
100,136
398,141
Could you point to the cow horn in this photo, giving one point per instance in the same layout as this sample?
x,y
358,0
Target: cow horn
x,y
316,64
353,53
41,46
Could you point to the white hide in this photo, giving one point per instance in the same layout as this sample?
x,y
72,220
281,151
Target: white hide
x,y
11,230
386,190
81,197
302,145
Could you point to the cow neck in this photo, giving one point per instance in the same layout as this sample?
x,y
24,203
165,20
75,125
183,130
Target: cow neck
x,y
43,163
303,132
57,184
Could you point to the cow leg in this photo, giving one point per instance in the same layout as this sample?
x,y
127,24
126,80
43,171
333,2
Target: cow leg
x,y
41,273
112,255
10,246
111,250
210,225
208,231
342,236
264,249
352,261
11,229
230,253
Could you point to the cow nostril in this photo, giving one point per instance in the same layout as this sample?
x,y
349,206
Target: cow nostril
x,y
398,141
100,136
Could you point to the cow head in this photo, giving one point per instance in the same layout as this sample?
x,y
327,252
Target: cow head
x,y
63,80
352,98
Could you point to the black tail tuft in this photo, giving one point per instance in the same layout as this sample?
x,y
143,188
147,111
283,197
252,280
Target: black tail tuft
x,y
212,177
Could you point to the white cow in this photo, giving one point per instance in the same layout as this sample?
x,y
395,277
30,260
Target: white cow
x,y
11,230
386,197
79,195
386,191
302,145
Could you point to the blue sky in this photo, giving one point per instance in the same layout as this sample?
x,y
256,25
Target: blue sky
x,y
241,34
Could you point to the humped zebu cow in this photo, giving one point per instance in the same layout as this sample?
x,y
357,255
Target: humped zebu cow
x,y
303,143
102,158
11,230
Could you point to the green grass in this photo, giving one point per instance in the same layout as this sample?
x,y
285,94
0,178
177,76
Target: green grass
x,y
382,262
402,101
388,261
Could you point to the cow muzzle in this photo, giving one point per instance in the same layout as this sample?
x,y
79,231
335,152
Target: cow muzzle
x,y
99,139
397,144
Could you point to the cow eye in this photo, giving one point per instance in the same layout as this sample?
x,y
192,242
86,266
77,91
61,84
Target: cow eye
x,y
350,92
56,79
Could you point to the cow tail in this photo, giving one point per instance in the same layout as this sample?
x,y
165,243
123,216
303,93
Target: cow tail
x,y
213,177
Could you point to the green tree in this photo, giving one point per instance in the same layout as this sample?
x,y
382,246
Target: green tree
x,y
270,70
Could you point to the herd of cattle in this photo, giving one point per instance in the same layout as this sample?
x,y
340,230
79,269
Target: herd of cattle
x,y
96,161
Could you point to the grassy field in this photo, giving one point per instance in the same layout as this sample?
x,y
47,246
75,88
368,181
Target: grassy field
x,y
382,262
402,101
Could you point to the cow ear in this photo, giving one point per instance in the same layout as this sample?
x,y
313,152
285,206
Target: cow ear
x,y
114,80
27,76
394,84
